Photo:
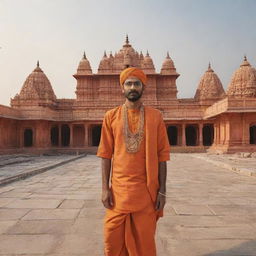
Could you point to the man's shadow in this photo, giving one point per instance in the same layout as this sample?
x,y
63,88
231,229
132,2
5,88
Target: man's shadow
x,y
244,249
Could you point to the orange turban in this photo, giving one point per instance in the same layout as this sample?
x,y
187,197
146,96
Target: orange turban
x,y
133,72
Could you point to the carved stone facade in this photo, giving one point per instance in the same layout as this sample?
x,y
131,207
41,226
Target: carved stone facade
x,y
213,120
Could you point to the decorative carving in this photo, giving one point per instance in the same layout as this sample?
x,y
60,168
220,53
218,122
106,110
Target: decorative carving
x,y
243,82
210,86
37,88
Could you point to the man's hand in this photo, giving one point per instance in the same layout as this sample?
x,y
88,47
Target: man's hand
x,y
160,202
107,198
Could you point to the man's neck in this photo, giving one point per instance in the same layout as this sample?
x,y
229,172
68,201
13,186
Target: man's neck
x,y
134,105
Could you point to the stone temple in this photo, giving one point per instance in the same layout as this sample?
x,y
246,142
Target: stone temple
x,y
214,120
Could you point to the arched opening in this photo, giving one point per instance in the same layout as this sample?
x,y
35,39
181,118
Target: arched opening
x,y
208,134
253,134
96,131
55,136
191,135
28,138
65,135
172,132
78,135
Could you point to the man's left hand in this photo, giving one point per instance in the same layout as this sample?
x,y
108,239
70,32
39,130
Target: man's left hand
x,y
160,202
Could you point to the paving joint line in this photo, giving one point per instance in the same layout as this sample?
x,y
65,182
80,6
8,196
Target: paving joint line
x,y
28,174
239,170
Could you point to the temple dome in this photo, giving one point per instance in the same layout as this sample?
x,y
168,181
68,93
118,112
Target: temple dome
x,y
125,57
210,86
37,87
243,81
84,67
104,64
168,67
147,64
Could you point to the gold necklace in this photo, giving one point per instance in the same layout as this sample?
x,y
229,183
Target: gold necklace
x,y
133,140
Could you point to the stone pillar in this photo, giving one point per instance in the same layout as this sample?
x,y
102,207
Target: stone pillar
x,y
59,141
86,135
200,134
71,135
215,134
246,132
183,140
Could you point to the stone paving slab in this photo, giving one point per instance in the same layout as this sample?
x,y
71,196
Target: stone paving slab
x,y
234,162
210,211
12,169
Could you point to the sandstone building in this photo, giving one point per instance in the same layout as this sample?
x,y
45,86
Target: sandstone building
x,y
214,120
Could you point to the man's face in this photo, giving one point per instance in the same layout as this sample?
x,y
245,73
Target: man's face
x,y
133,88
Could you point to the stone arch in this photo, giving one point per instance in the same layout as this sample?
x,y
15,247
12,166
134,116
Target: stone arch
x,y
65,135
253,133
96,132
172,132
208,134
28,137
55,135
191,135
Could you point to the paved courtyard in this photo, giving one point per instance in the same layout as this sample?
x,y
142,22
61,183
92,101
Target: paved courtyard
x,y
211,211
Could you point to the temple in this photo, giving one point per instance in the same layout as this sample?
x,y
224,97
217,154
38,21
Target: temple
x,y
214,120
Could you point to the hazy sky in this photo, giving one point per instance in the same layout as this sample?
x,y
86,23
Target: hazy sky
x,y
56,32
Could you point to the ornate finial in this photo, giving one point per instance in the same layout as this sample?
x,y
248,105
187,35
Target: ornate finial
x,y
105,54
147,54
245,58
209,66
168,56
127,39
84,55
37,64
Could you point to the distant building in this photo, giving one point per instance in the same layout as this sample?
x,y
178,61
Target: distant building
x,y
213,120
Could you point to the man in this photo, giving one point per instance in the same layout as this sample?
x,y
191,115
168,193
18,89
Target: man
x,y
134,145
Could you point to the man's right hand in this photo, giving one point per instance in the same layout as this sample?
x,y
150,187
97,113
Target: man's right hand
x,y
107,198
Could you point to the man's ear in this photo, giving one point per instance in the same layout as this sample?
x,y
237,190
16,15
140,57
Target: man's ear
x,y
122,88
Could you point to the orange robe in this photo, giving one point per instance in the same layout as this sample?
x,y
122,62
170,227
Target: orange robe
x,y
130,225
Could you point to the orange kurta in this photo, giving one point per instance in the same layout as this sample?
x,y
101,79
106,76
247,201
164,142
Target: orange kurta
x,y
134,180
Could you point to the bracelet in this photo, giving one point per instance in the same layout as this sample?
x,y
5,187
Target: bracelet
x,y
162,194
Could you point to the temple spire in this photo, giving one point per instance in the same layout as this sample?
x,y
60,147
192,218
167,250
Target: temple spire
x,y
84,55
210,67
105,54
147,54
168,56
127,39
245,58
37,64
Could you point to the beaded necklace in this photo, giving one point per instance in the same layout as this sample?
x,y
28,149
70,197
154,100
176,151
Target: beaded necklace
x,y
132,140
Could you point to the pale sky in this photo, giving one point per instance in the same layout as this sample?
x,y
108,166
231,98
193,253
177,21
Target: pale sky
x,y
56,32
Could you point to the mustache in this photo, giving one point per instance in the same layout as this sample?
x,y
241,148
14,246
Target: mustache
x,y
133,92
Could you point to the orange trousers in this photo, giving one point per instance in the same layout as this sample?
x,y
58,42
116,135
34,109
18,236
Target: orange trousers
x,y
131,234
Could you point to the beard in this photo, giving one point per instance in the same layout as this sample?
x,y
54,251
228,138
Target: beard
x,y
133,96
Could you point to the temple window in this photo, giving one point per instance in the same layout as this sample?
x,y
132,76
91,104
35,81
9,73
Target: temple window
x,y
191,135
172,132
55,136
96,132
28,138
253,134
65,135
208,134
